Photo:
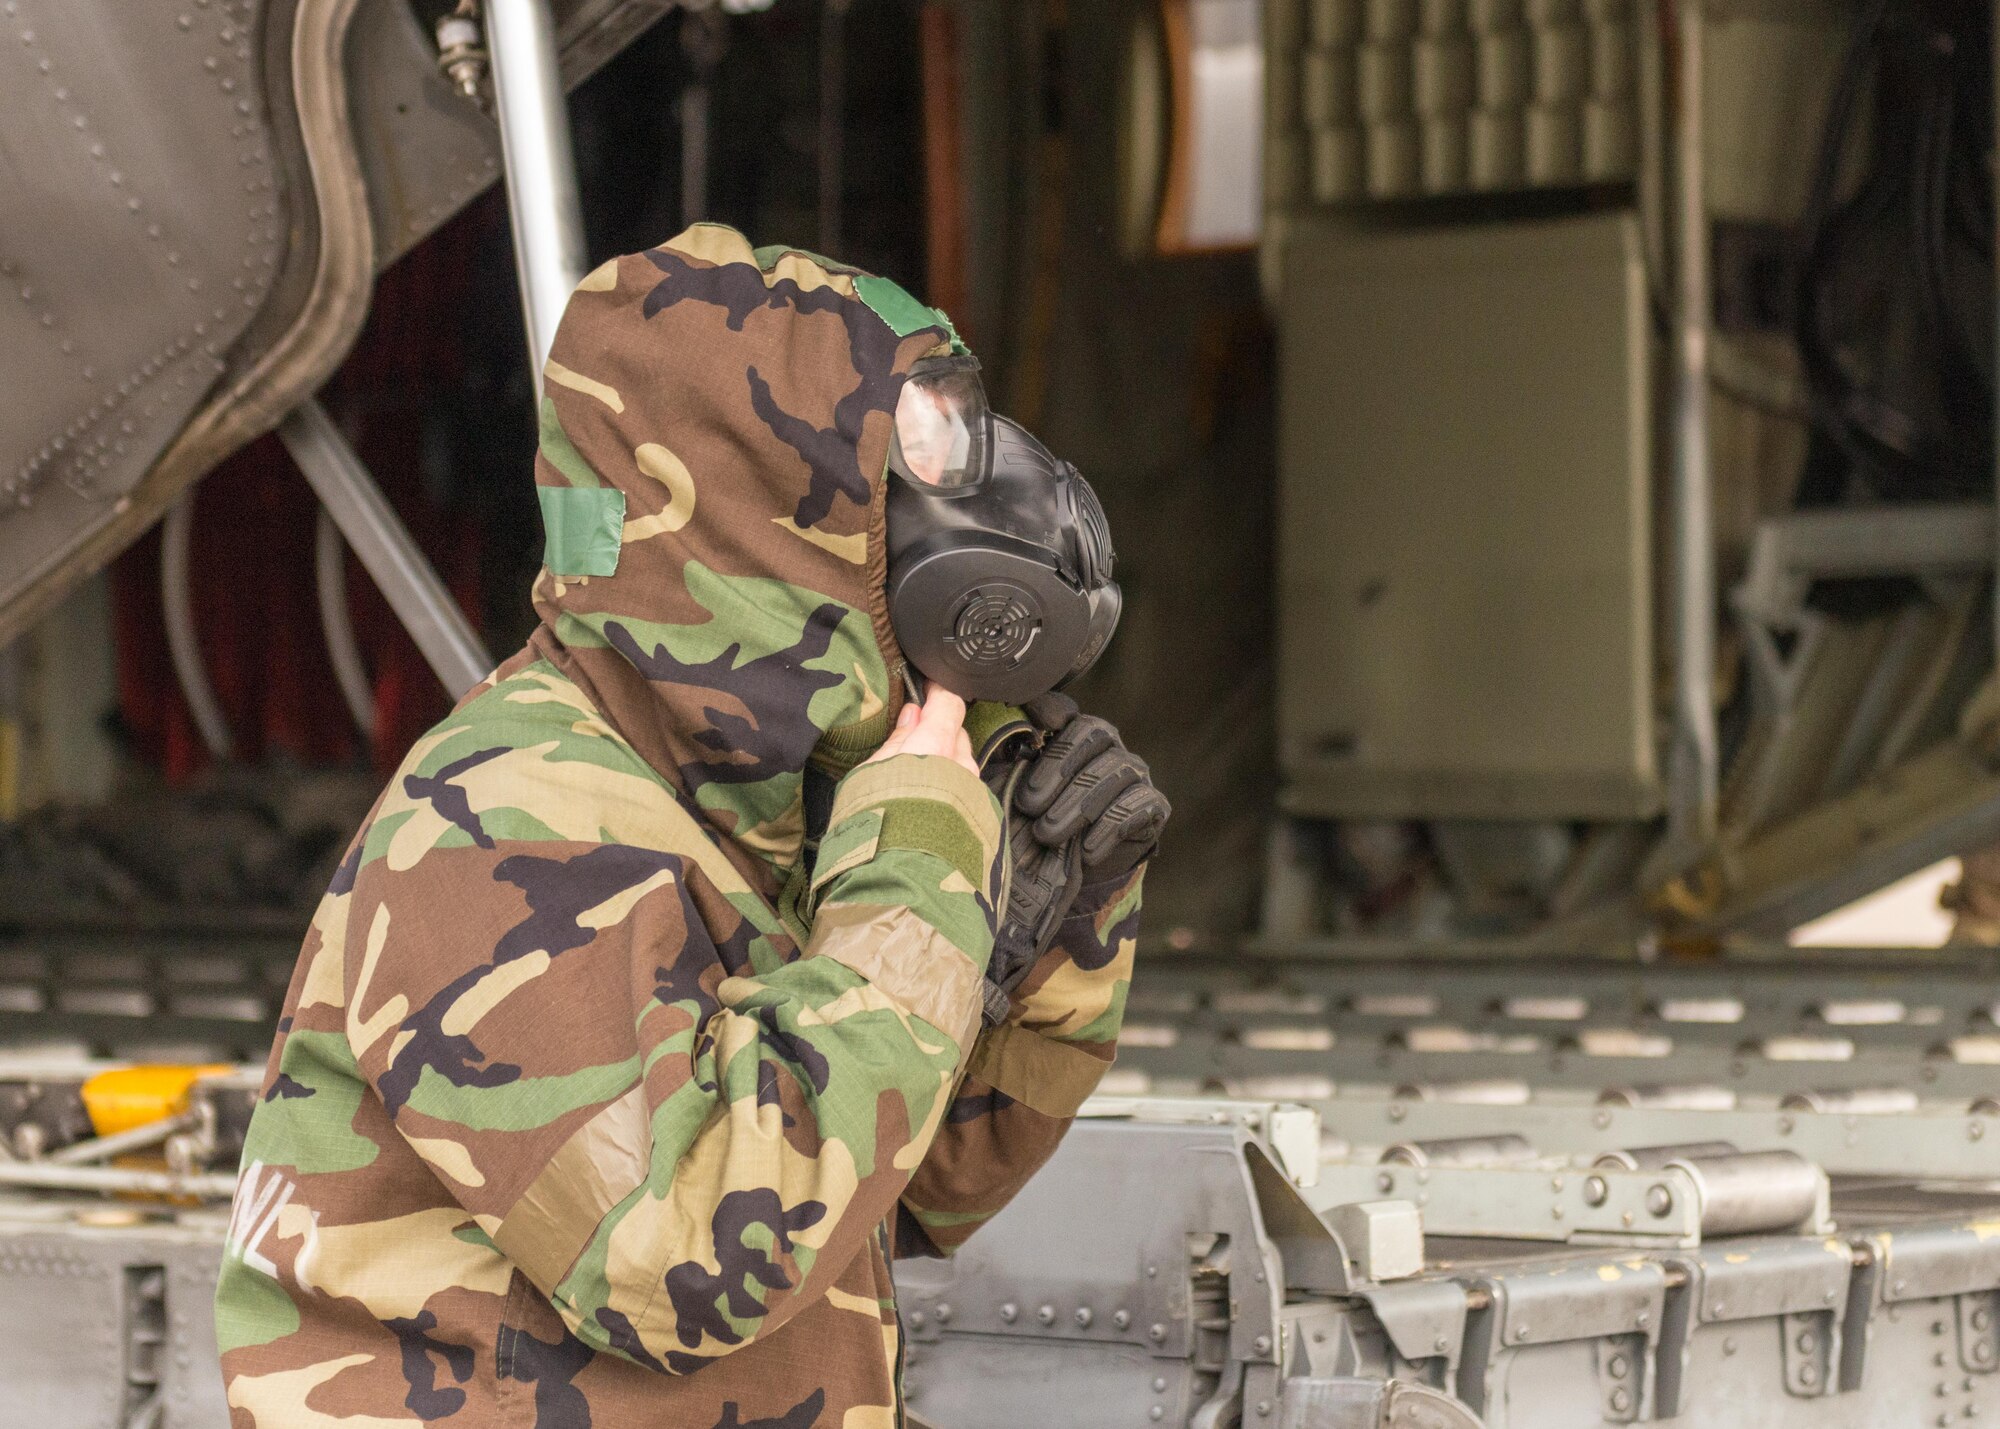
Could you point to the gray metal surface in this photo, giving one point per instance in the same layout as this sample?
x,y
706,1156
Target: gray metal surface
x,y
426,151
543,202
107,1315
1890,1319
194,998
194,201
324,265
405,577
1465,617
130,266
1162,1269
1161,1297
1743,1033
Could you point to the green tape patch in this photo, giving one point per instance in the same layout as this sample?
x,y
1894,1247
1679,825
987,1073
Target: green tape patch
x,y
582,528
903,313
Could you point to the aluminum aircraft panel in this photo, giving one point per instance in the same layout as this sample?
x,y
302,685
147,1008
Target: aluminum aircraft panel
x,y
195,199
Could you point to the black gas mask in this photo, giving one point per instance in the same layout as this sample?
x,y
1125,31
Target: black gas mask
x,y
999,556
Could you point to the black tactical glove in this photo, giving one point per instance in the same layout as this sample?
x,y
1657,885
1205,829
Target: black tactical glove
x,y
1085,784
1081,810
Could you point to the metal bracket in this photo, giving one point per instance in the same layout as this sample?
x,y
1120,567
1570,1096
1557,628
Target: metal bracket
x,y
1979,1333
1622,1374
1425,1321
1549,1201
1810,1340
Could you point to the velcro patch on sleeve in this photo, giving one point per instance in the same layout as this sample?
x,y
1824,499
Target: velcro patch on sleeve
x,y
582,526
934,827
848,844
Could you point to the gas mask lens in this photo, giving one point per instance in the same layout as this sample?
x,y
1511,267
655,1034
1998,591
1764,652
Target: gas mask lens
x,y
941,423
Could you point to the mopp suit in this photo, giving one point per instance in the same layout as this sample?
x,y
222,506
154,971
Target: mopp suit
x,y
600,1098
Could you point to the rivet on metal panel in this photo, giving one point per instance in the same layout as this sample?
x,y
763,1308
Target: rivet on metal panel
x,y
1122,1319
1009,1312
1046,1314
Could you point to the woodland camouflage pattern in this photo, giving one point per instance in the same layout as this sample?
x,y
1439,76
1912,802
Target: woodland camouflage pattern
x,y
597,1101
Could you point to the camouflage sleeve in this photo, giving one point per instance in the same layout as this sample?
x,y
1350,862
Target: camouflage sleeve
x,y
767,1121
1026,1078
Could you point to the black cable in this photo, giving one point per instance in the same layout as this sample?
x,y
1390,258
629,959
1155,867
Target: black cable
x,y
1894,294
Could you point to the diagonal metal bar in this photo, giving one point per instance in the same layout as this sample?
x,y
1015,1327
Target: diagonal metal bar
x,y
400,571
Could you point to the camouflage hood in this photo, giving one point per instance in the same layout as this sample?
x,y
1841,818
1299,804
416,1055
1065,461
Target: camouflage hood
x,y
713,445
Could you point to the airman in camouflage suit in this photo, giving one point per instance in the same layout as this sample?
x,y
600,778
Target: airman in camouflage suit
x,y
597,1101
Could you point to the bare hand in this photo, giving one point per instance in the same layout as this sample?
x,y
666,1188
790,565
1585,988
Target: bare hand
x,y
937,726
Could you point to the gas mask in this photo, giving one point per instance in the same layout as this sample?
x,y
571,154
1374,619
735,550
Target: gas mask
x,y
999,556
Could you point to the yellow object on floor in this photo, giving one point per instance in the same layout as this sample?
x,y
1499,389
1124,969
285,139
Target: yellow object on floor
x,y
130,1097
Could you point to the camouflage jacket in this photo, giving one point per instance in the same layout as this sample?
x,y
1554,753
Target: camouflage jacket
x,y
599,1099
